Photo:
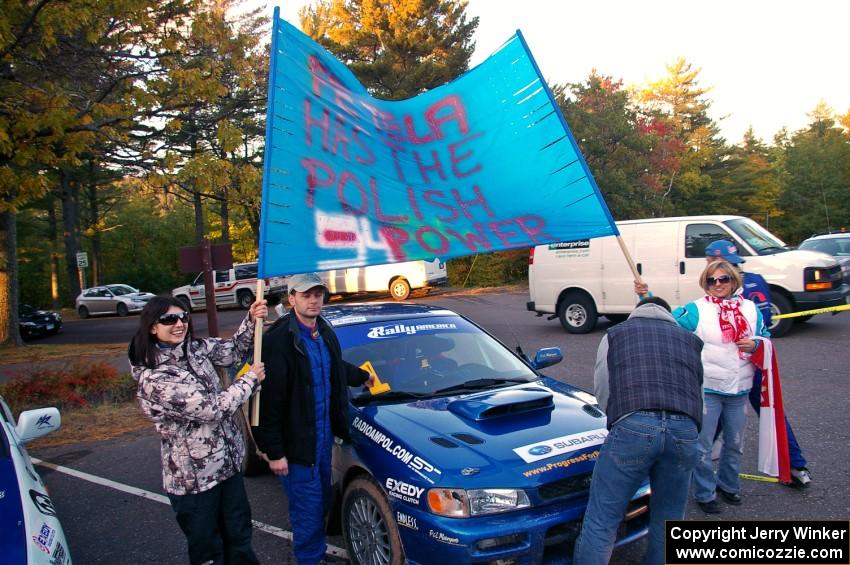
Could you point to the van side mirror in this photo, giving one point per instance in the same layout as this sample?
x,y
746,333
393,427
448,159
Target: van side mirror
x,y
546,357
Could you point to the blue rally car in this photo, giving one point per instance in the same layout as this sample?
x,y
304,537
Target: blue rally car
x,y
464,453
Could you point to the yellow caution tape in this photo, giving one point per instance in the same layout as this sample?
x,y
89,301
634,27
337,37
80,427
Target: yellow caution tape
x,y
761,478
812,312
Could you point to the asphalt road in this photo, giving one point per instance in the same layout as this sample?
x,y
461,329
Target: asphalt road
x,y
107,526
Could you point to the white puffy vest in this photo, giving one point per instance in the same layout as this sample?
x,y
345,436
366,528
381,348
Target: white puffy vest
x,y
723,369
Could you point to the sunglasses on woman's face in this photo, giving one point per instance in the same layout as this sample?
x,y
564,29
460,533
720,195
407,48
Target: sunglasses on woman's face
x,y
171,319
723,279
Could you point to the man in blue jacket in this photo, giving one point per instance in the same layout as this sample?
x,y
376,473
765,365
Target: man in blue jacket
x,y
755,288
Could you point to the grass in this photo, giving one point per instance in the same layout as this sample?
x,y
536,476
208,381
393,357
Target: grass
x,y
95,423
52,352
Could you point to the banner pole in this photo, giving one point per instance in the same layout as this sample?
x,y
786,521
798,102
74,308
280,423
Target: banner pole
x,y
258,353
629,259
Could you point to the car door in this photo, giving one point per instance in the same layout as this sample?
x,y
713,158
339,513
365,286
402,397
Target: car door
x,y
224,287
99,300
656,254
697,235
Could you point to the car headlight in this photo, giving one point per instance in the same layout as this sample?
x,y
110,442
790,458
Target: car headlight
x,y
461,503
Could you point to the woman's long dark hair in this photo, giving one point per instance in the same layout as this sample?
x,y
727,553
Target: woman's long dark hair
x,y
143,348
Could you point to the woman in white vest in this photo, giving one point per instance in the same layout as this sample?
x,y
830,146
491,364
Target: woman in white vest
x,y
726,322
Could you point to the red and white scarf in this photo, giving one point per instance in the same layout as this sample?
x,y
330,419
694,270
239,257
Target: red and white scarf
x,y
733,324
773,456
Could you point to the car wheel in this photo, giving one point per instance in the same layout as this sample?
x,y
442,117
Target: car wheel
x,y
83,312
399,289
245,298
577,313
780,305
122,310
371,534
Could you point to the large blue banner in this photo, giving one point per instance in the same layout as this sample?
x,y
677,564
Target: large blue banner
x,y
484,163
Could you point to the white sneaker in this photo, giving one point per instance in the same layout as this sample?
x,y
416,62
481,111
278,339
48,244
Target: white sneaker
x,y
800,478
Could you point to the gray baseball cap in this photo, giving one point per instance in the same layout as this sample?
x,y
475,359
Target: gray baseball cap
x,y
303,283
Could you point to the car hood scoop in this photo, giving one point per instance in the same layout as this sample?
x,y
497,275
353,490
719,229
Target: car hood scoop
x,y
502,403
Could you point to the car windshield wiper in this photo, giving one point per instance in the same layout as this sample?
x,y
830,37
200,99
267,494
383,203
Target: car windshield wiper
x,y
478,384
391,395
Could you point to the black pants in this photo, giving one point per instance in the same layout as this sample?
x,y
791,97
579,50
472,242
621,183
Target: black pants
x,y
217,524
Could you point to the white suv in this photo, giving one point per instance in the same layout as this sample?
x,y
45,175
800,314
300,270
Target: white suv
x,y
234,286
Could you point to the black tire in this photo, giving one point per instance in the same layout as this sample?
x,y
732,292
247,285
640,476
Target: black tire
x,y
780,305
399,289
617,318
577,313
187,304
368,525
245,298
83,312
121,309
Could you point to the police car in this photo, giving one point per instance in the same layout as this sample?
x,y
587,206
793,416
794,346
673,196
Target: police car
x,y
463,452
30,532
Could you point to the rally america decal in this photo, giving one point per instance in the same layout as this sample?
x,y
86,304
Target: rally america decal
x,y
560,445
413,462
382,332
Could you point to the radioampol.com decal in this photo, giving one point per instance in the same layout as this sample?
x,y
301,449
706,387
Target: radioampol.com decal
x,y
560,445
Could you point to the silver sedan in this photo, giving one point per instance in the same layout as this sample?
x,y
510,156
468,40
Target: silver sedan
x,y
118,299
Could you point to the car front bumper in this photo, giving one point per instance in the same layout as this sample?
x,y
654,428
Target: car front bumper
x,y
538,535
822,298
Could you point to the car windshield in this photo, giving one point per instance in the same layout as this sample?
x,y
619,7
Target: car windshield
x,y
837,246
421,357
761,240
121,289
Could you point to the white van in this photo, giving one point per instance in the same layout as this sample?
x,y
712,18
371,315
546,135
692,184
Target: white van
x,y
580,280
396,278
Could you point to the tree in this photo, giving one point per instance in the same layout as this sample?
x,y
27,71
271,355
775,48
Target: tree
x,y
609,131
817,163
396,48
678,100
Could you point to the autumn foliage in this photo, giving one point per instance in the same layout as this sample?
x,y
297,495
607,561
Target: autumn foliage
x,y
75,386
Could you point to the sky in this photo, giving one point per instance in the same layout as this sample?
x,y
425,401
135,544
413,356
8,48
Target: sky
x,y
767,63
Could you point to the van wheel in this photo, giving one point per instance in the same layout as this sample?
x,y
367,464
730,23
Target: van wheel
x,y
577,313
399,289
368,525
245,298
780,305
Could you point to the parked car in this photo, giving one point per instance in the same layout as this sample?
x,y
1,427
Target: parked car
x,y
233,286
835,244
118,299
465,453
33,322
30,532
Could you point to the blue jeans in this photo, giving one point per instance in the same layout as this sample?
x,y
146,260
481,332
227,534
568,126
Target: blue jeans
x,y
795,454
309,492
660,446
732,412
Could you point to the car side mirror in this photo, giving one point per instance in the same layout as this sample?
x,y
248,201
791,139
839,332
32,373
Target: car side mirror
x,y
33,424
546,357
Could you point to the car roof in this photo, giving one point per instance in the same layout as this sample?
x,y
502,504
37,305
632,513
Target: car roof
x,y
359,313
828,236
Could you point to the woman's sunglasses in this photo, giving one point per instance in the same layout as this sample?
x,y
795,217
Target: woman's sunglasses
x,y
723,279
171,319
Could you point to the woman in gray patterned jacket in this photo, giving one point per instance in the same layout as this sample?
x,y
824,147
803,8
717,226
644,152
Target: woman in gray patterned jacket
x,y
202,445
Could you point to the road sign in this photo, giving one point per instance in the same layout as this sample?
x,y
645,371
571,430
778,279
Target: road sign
x,y
82,259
